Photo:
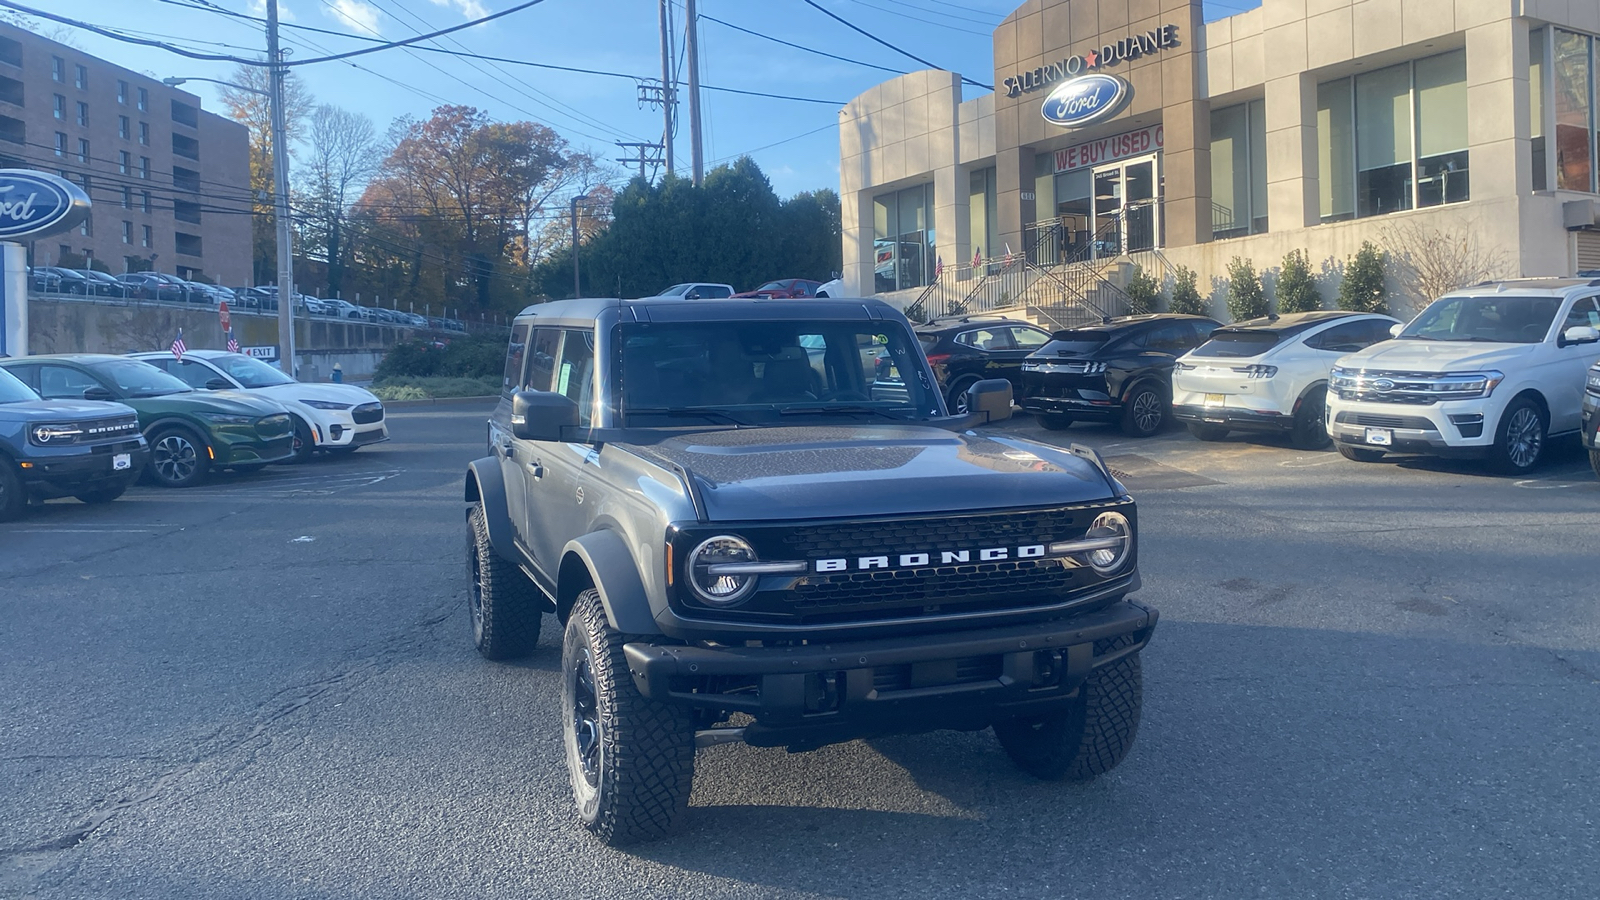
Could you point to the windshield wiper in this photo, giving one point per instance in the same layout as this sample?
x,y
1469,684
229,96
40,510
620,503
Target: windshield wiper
x,y
685,412
846,410
1414,337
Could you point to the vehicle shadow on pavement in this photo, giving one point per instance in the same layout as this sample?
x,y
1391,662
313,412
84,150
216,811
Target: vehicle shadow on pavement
x,y
1334,761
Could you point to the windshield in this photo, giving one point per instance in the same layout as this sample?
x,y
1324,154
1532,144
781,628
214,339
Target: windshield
x,y
13,390
137,379
1238,343
1496,319
675,290
748,372
252,373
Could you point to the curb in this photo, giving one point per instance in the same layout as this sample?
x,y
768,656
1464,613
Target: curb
x,y
439,401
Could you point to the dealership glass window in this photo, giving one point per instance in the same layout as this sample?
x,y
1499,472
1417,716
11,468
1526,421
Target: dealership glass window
x,y
1336,150
1239,170
902,239
1405,127
984,212
1536,106
1572,70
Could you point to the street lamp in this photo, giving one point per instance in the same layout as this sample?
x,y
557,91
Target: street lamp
x,y
576,290
280,172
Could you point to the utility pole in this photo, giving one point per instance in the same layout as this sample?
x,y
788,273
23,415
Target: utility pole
x,y
280,174
667,98
577,289
646,154
691,46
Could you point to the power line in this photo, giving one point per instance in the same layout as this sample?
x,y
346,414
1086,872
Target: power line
x,y
924,21
814,5
947,15
412,40
769,37
106,32
773,144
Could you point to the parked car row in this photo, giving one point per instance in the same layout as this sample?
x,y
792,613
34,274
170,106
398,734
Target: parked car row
x,y
89,425
782,289
161,287
1495,372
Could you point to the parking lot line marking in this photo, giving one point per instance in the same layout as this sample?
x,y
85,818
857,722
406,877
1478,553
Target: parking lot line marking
x,y
77,531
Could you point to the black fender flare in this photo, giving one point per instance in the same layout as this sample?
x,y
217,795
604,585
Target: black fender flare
x,y
611,568
486,485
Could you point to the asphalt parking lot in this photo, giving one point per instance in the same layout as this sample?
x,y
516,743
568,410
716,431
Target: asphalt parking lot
x,y
1369,681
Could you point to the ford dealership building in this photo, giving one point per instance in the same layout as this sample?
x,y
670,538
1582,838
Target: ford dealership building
x,y
1135,130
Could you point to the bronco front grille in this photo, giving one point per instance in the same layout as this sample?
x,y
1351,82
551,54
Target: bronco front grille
x,y
1017,581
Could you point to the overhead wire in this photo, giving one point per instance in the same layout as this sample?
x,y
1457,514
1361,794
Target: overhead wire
x,y
813,50
859,30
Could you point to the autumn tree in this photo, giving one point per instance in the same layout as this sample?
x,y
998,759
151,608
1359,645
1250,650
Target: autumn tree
x,y
343,154
247,103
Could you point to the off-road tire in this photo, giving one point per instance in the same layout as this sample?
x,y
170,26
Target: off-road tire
x,y
103,495
13,499
304,444
1520,452
958,396
178,458
1144,410
1594,462
1090,737
1204,432
1310,429
642,752
504,606
1054,421
1360,454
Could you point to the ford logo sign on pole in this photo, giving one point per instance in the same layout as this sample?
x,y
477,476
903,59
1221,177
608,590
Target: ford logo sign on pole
x,y
1086,100
32,204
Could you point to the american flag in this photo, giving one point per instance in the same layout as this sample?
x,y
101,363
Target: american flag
x,y
233,343
1009,257
178,348
977,258
938,268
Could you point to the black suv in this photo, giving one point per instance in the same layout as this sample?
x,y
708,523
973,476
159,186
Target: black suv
x,y
964,350
1117,371
743,545
64,448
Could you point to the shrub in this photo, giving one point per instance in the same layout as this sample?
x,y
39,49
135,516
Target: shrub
x,y
1296,291
1144,294
1363,288
408,388
1186,297
1246,299
462,357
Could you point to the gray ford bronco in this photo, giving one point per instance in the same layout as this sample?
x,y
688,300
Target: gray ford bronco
x,y
757,523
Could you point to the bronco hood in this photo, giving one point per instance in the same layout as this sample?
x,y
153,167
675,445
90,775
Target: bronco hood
x,y
829,472
1410,355
44,410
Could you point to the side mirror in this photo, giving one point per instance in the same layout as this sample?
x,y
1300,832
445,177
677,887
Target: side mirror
x,y
1580,334
97,393
542,415
218,384
990,398
1396,328
692,295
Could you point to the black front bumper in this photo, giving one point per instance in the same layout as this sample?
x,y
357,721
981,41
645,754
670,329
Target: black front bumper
x,y
815,694
82,469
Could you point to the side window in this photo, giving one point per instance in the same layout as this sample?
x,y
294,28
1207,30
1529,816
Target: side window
x,y
1378,330
1029,338
62,383
986,338
515,353
542,359
1344,338
192,373
1170,338
1584,312
1200,333
28,375
575,374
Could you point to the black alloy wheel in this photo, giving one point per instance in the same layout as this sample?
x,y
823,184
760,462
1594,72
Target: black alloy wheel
x,y
1519,446
12,499
177,458
505,609
960,404
1309,431
1144,411
304,446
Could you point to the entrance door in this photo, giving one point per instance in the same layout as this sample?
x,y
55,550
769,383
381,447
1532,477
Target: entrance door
x,y
1127,206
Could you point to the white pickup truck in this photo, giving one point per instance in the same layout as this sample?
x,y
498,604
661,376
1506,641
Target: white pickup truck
x,y
1491,371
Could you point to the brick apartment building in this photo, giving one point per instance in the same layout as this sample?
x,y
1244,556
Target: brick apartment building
x,y
170,182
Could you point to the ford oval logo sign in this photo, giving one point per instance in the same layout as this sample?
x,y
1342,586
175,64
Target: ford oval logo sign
x,y
1086,100
35,203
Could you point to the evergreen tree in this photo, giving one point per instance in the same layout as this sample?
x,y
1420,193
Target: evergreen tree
x,y
1297,292
1144,294
1186,297
1246,299
1363,288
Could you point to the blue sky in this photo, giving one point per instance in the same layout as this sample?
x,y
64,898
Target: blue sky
x,y
609,35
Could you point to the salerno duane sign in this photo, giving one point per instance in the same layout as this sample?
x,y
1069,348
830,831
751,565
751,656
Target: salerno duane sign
x,y
1129,48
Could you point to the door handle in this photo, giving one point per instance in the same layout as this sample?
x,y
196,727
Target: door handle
x,y
536,468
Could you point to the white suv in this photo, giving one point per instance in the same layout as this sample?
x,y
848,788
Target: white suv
x,y
1269,374
1493,370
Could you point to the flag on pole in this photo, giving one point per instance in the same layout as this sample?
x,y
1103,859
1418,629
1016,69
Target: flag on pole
x,y
1008,254
977,258
233,343
178,348
938,266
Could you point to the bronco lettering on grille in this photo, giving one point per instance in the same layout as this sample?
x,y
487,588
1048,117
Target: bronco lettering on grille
x,y
918,560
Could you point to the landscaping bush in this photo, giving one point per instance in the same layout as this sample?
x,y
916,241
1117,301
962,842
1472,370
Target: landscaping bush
x,y
1363,289
413,388
1186,297
1246,299
462,357
1144,294
1296,291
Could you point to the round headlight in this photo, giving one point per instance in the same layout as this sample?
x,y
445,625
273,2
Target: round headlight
x,y
43,434
1108,560
720,588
